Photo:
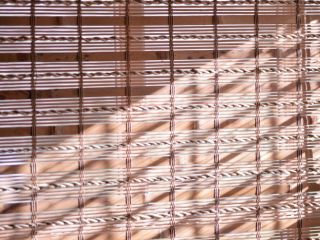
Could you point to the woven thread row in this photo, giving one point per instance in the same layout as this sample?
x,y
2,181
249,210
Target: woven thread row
x,y
159,37
159,216
162,72
191,178
156,108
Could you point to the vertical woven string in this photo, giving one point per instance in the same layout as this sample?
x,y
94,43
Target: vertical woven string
x,y
128,122
33,93
172,159
216,121
300,140
257,119
81,129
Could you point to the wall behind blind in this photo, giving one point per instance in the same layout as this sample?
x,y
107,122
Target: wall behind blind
x,y
156,119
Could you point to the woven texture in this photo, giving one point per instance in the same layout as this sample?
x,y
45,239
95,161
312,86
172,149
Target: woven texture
x,y
159,119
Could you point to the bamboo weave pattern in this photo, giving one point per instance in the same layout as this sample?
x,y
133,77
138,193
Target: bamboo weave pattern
x,y
159,119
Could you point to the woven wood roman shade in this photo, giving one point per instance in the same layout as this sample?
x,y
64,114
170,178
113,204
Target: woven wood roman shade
x,y
159,119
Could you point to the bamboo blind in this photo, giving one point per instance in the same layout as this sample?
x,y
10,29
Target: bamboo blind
x,y
159,119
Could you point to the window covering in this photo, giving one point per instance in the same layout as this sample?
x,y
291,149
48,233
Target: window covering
x,y
159,119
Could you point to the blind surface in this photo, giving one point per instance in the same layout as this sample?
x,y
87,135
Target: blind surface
x,y
159,119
